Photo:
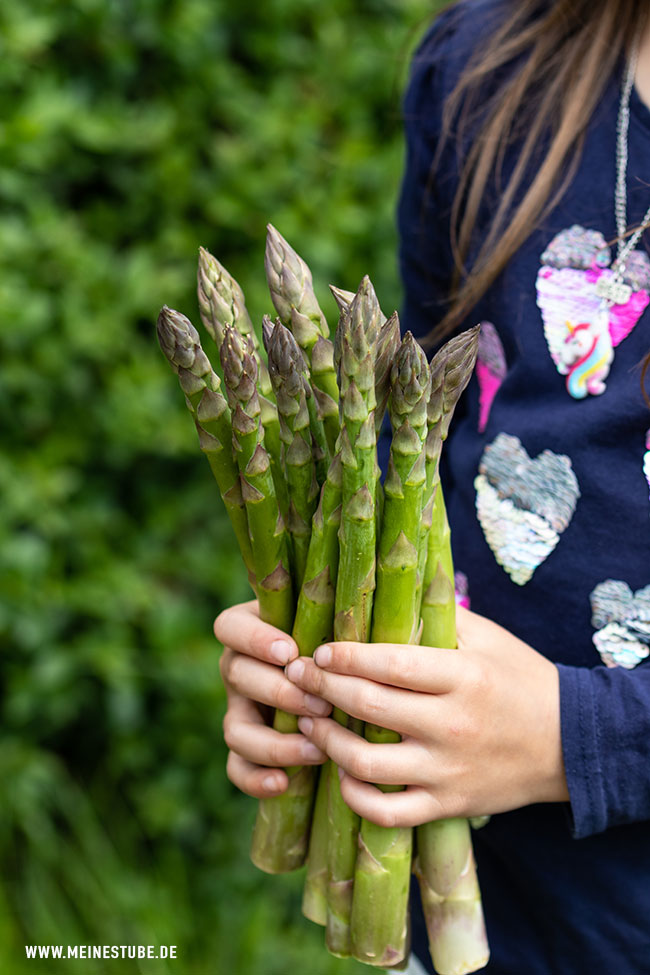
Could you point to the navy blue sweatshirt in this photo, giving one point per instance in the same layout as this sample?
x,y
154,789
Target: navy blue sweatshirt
x,y
547,472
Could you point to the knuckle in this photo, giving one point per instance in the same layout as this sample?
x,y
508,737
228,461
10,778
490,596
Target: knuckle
x,y
233,670
371,701
315,677
478,677
463,727
408,667
395,665
343,657
274,753
439,808
287,698
362,765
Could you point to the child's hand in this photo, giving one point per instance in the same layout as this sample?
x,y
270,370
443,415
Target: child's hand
x,y
251,667
480,725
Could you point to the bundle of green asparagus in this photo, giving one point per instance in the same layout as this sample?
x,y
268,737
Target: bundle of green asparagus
x,y
331,554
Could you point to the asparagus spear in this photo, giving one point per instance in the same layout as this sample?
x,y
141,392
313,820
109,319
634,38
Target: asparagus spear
x,y
355,351
383,868
323,379
266,528
314,894
291,390
387,345
181,344
445,867
313,626
445,862
282,827
222,304
292,293
221,301
451,369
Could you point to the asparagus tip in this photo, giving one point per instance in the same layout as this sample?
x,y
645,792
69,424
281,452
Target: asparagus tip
x,y
177,337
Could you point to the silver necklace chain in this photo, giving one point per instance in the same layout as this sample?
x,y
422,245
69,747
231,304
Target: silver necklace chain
x,y
614,290
620,196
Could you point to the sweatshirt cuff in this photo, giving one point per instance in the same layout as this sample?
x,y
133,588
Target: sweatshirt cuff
x,y
581,751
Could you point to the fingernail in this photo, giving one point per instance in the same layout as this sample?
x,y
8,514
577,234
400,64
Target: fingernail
x,y
323,656
312,752
306,725
316,704
281,651
295,670
270,783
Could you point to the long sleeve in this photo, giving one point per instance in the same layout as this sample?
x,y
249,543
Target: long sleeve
x,y
605,715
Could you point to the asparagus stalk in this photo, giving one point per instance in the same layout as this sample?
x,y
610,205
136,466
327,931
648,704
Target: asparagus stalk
x,y
282,828
181,345
314,894
450,370
355,351
222,304
323,379
292,292
266,527
445,861
291,391
383,867
313,626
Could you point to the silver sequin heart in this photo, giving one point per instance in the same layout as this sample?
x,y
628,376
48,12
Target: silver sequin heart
x,y
622,621
523,504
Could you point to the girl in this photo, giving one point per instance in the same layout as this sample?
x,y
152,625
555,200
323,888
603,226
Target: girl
x,y
524,205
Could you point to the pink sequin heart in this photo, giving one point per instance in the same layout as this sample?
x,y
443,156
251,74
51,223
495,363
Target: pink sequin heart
x,y
581,329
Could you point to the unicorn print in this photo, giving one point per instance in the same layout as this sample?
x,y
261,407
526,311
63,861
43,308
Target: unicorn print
x,y
586,356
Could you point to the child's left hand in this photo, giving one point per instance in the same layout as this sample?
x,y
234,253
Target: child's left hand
x,y
480,725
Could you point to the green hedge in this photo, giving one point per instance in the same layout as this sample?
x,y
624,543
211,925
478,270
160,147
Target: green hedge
x,y
130,134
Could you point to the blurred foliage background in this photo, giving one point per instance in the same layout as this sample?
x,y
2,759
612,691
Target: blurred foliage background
x,y
130,133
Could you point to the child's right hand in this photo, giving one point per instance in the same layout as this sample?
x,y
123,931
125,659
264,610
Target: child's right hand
x,y
254,656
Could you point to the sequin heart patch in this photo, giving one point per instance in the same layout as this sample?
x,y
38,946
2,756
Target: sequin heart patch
x,y
523,504
490,370
581,328
622,621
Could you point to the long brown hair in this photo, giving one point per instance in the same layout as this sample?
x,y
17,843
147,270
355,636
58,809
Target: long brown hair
x,y
562,55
